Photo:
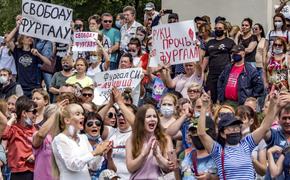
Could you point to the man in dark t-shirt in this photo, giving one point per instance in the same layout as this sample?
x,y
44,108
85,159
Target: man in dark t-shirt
x,y
217,56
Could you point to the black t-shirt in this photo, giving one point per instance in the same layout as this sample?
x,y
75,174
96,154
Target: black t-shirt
x,y
250,57
219,55
28,71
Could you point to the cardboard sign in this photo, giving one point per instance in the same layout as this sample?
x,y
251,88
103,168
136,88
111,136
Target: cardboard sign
x,y
174,43
85,41
121,78
46,21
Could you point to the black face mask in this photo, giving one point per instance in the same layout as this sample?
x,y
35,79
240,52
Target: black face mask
x,y
66,67
219,33
233,138
197,143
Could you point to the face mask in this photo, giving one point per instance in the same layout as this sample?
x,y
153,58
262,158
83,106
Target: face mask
x,y
197,143
93,138
233,138
134,54
3,80
277,51
236,57
196,114
66,67
93,29
219,33
149,48
167,111
93,59
28,122
278,25
118,24
71,130
141,38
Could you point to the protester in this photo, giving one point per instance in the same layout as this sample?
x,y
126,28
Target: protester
x,y
41,99
7,86
87,94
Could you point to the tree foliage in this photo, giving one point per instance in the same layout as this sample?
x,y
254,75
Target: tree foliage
x,y
82,9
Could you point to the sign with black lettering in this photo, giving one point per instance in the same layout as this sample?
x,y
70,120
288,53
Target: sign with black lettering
x,y
46,21
174,43
121,79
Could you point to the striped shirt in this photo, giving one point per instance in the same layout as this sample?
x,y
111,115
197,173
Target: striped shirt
x,y
237,159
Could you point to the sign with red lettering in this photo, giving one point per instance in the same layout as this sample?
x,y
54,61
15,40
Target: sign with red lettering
x,y
85,41
121,78
174,43
46,21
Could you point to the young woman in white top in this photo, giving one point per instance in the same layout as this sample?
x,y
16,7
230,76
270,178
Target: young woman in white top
x,y
72,151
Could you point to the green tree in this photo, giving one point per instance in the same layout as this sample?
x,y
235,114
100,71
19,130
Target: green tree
x,y
82,9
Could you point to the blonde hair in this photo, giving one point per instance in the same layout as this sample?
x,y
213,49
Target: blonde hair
x,y
218,109
42,92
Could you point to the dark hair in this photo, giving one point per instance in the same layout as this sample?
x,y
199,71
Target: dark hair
x,y
95,17
23,103
92,116
128,55
261,28
284,27
249,20
136,41
88,88
107,14
84,61
245,111
68,95
7,70
285,108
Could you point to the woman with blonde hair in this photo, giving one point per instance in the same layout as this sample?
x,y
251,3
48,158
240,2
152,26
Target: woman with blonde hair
x,y
72,151
147,148
168,111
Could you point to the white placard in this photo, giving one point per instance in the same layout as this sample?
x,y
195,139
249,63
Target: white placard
x,y
46,21
121,78
175,43
85,41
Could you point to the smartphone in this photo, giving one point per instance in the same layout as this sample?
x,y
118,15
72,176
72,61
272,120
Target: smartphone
x,y
168,11
172,156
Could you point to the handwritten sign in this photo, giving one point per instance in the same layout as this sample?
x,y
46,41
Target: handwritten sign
x,y
46,21
85,41
121,78
174,43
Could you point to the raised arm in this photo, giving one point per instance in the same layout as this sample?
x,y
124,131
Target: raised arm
x,y
275,167
3,123
166,78
259,133
11,35
44,59
206,140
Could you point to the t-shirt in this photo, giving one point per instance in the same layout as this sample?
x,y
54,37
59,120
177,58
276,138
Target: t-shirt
x,y
91,72
114,36
119,154
250,57
231,91
183,82
85,82
58,80
272,35
127,34
219,55
237,159
27,66
7,60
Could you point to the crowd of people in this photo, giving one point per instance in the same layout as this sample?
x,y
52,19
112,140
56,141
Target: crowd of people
x,y
226,116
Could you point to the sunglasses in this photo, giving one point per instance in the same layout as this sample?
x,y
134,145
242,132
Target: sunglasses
x,y
277,45
107,21
193,91
34,111
111,115
87,95
91,123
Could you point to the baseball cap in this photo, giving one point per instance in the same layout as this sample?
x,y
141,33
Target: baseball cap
x,y
198,18
227,120
149,6
173,15
108,174
237,48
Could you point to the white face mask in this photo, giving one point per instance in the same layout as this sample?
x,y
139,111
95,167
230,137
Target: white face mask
x,y
278,25
134,54
28,121
71,130
141,38
3,80
167,111
93,59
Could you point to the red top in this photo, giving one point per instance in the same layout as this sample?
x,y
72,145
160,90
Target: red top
x,y
144,63
231,91
19,147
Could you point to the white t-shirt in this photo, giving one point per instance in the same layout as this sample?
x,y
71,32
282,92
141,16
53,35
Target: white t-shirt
x,y
272,35
119,154
183,82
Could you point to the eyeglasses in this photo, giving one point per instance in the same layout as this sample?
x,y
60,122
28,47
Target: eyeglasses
x,y
91,123
277,45
80,25
111,115
34,111
193,91
107,21
87,94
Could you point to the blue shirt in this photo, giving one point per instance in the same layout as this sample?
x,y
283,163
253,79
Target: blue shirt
x,y
237,159
114,36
